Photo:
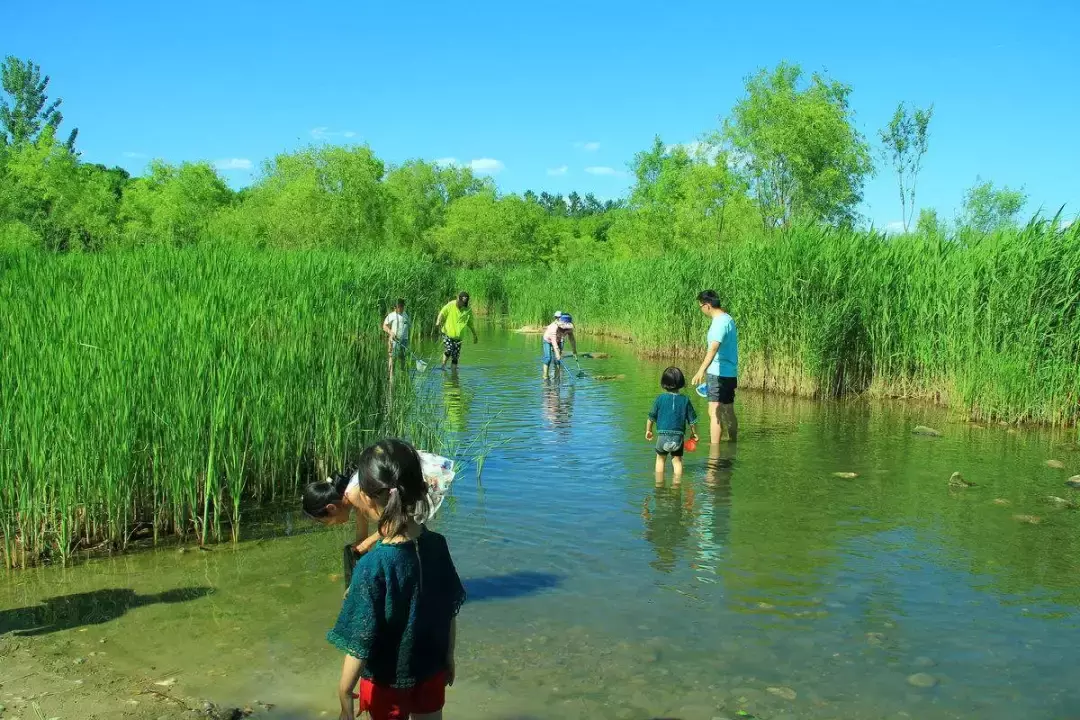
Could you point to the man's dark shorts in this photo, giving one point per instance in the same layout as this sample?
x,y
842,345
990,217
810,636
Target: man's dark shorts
x,y
722,389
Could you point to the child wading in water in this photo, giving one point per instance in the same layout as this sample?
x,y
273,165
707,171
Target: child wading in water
x,y
398,623
671,413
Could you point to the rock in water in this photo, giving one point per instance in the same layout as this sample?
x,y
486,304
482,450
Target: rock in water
x,y
783,692
927,431
922,680
1055,464
846,475
1001,501
956,480
1073,482
1029,519
1060,502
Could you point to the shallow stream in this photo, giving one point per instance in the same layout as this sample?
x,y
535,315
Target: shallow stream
x,y
764,584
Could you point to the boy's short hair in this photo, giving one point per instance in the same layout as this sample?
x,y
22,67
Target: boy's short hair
x,y
673,379
709,297
400,303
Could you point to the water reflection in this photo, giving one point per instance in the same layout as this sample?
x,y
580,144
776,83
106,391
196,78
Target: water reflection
x,y
455,401
558,398
668,514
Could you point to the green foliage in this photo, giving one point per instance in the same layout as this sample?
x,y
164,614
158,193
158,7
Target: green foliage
x,y
797,148
419,194
24,115
172,204
904,142
485,229
162,387
66,205
987,208
990,325
929,224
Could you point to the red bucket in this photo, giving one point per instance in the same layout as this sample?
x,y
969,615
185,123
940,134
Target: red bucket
x,y
690,444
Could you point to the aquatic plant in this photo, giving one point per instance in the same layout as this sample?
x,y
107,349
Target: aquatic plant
x,y
988,323
169,389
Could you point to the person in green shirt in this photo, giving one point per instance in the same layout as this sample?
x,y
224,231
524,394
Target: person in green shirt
x,y
454,318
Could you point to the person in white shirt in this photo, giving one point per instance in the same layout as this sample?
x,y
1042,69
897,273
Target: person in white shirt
x,y
396,327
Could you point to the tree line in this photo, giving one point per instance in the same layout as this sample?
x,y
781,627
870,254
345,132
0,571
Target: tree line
x,y
788,153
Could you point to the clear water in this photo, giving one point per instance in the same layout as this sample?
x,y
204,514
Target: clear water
x,y
597,594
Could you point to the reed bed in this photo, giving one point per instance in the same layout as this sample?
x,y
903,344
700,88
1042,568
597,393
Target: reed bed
x,y
989,324
164,391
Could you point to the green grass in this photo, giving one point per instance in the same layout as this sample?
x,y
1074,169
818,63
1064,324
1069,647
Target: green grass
x,y
171,389
986,324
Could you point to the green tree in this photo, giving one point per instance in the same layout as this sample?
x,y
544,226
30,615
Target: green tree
x,y
797,148
928,223
50,196
903,146
987,208
484,229
419,194
172,204
326,195
24,114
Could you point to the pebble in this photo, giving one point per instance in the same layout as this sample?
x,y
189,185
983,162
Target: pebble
x,y
924,430
846,475
875,638
783,692
923,661
79,660
1001,501
1073,482
1060,502
922,680
1055,464
1029,519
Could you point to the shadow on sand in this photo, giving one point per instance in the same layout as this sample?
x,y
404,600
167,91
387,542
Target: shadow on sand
x,y
90,608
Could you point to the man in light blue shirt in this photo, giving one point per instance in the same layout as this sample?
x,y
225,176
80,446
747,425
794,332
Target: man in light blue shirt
x,y
720,368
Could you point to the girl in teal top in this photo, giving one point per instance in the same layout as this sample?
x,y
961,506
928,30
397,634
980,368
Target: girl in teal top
x,y
397,624
671,413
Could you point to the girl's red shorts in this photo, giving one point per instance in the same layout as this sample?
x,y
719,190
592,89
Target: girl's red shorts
x,y
387,703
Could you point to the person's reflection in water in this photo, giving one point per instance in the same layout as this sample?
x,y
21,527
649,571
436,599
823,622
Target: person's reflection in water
x,y
713,524
455,401
558,405
667,525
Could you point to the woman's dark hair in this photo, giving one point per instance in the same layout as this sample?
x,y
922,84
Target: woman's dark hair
x,y
709,297
320,493
672,380
391,475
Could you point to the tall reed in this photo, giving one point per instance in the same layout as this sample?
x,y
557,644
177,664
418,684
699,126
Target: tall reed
x,y
168,389
986,323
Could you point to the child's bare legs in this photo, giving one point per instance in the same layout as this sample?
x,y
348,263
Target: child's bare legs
x,y
660,466
676,466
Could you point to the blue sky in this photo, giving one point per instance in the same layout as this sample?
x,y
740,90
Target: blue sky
x,y
559,95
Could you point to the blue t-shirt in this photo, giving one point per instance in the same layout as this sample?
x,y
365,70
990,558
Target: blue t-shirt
x,y
397,615
726,361
672,412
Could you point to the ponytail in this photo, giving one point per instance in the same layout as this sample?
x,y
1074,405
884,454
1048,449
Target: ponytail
x,y
320,493
391,474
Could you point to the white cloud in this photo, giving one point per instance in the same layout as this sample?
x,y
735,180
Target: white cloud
x,y
233,164
134,155
486,166
591,146
325,134
602,170
894,228
561,170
